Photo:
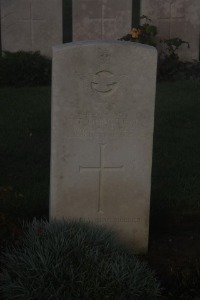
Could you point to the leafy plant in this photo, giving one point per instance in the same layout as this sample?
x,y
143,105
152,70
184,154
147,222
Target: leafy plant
x,y
144,34
172,46
169,65
74,260
24,69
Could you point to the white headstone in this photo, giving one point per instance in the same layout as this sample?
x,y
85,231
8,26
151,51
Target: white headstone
x,y
102,132
31,25
101,19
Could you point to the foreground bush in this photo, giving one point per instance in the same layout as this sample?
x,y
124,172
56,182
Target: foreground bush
x,y
24,69
74,260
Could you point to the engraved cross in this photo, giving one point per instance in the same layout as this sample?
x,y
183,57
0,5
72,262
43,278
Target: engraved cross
x,y
30,20
171,18
103,20
100,169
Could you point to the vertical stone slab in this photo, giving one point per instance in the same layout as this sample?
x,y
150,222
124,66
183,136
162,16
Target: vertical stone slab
x,y
101,19
31,25
179,18
102,131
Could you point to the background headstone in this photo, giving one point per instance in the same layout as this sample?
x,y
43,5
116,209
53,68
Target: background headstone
x,y
101,19
102,131
177,18
31,25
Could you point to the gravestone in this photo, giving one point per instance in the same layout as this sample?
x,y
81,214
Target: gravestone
x,y
101,19
31,25
179,18
102,131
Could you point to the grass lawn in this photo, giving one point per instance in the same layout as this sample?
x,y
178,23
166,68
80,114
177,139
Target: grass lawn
x,y
176,156
25,150
24,176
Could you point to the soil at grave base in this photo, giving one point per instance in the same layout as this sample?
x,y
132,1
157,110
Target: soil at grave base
x,y
174,252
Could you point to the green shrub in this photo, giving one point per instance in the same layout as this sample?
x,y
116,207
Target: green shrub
x,y
24,69
144,34
172,69
74,260
169,65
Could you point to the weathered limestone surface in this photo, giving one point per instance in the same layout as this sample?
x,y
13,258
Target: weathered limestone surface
x,y
102,131
101,19
179,18
31,25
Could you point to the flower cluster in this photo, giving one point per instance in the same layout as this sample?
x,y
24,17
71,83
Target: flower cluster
x,y
135,33
144,34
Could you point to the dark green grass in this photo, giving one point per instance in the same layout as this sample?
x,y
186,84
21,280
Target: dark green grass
x,y
176,155
25,149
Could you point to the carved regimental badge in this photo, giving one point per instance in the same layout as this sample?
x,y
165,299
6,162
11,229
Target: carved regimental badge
x,y
104,82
